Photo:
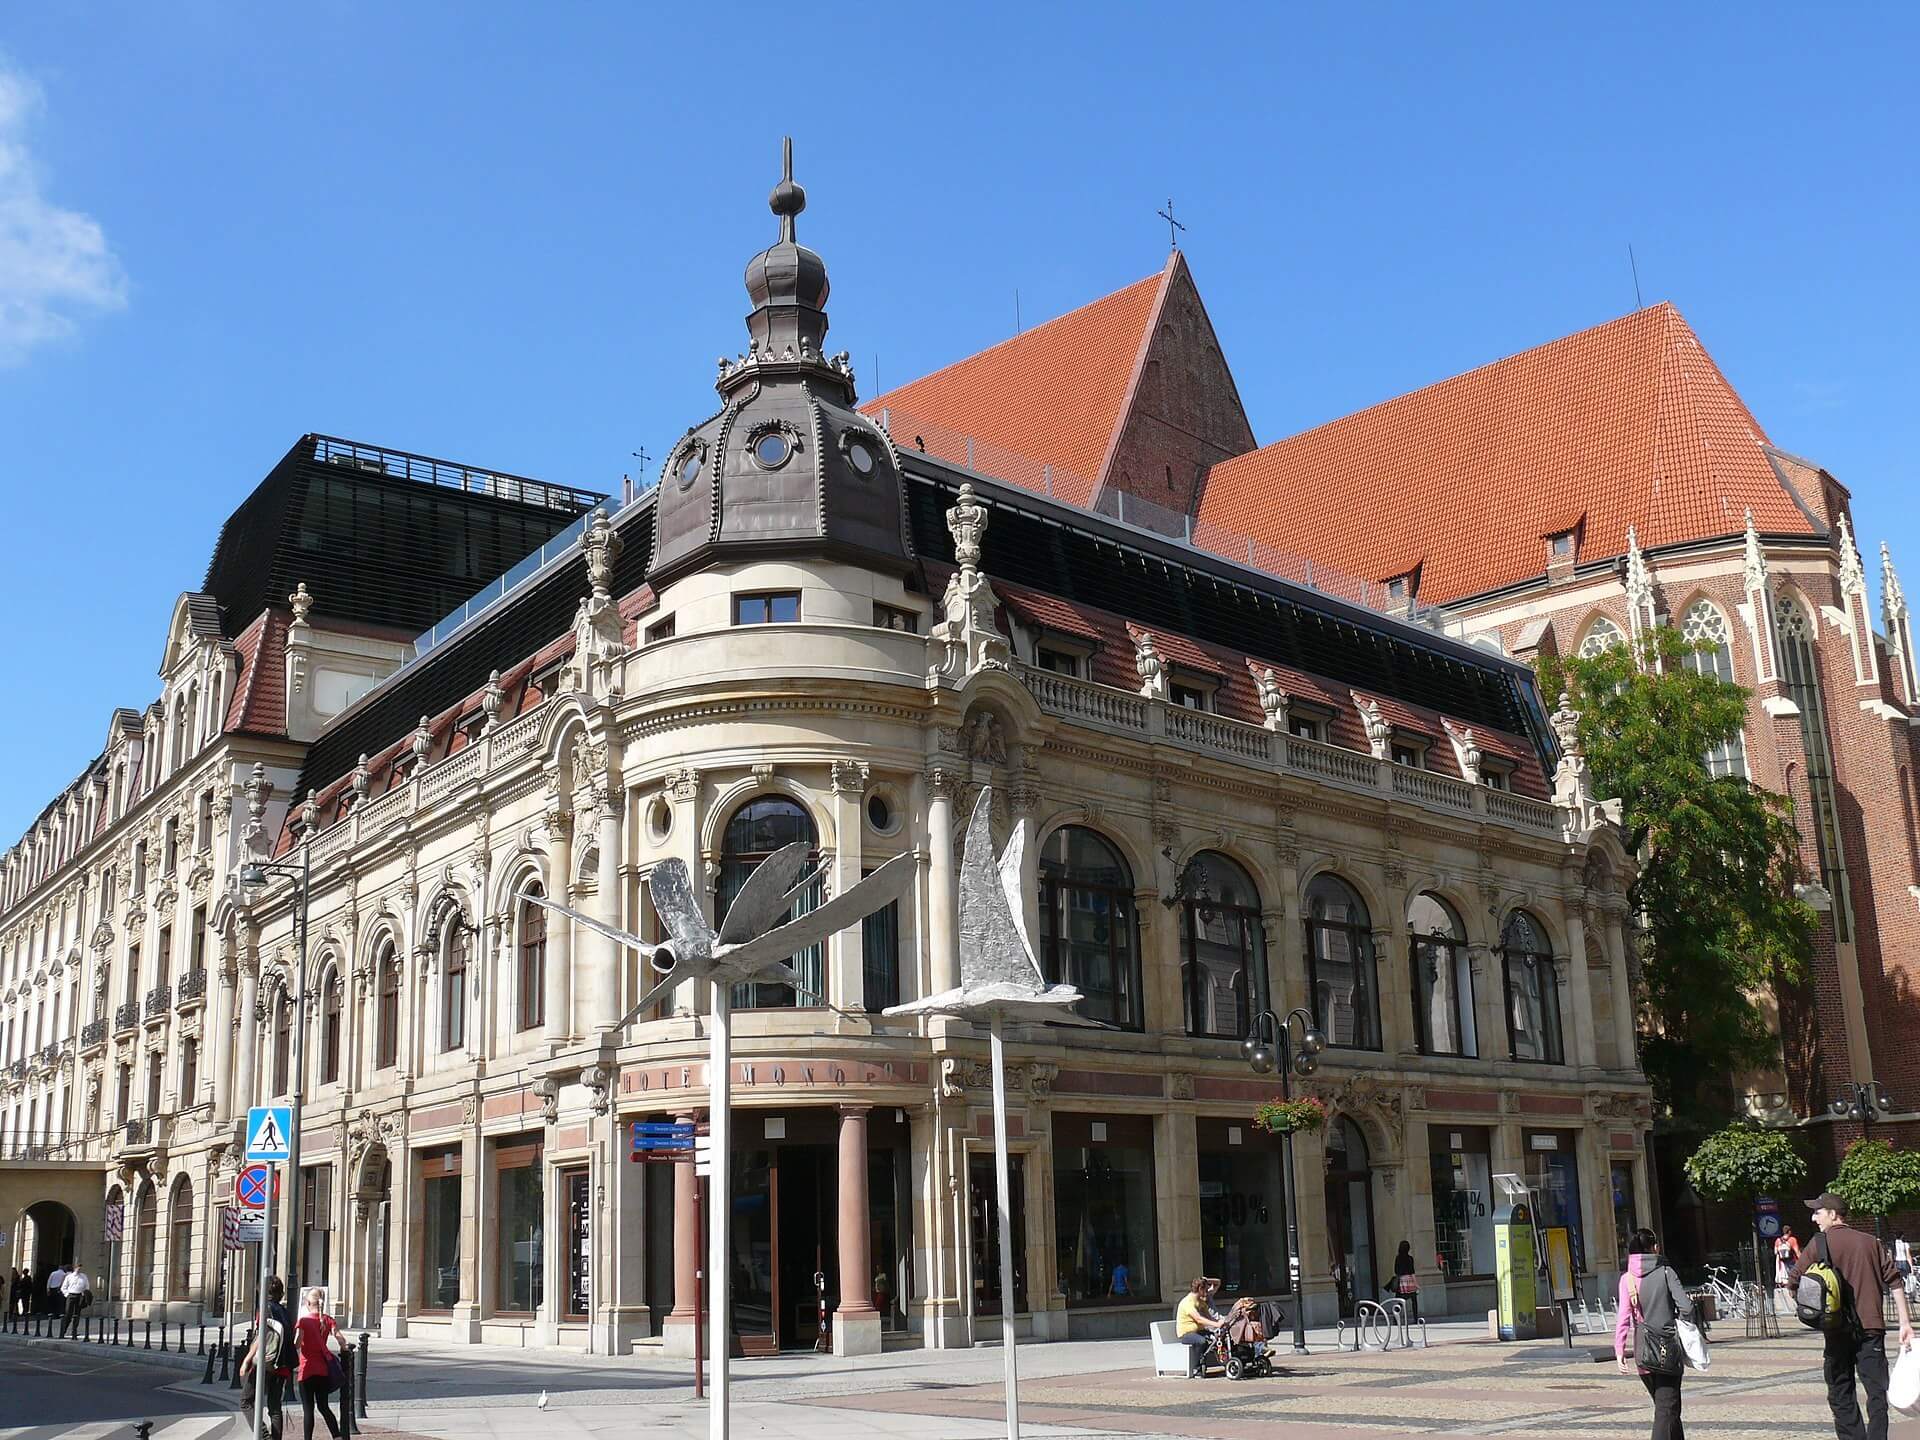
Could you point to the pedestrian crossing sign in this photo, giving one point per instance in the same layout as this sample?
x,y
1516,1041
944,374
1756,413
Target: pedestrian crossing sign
x,y
267,1132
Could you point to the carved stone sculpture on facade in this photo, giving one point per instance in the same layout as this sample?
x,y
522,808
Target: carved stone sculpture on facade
x,y
970,639
598,646
1273,700
1379,732
1466,750
1147,663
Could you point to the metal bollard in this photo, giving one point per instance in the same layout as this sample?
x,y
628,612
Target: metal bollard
x,y
183,1337
245,1345
225,1355
346,1392
149,1335
201,1349
144,1430
206,1377
116,1330
360,1373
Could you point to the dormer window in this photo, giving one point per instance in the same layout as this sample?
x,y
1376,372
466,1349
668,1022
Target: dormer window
x,y
1495,777
1408,752
1560,547
1190,696
1307,727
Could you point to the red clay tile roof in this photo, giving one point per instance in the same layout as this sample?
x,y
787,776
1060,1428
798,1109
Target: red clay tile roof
x,y
1627,423
259,703
1054,395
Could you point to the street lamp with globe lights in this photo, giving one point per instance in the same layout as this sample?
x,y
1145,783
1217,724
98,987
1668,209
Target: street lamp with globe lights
x,y
253,884
1865,1102
1270,1042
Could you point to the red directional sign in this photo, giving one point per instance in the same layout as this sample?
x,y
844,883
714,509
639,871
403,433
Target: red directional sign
x,y
251,1185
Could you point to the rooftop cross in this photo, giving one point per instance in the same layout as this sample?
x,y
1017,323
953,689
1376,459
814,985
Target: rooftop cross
x,y
1173,225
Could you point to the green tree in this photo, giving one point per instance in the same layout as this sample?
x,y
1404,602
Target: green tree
x,y
1718,862
1876,1179
1743,1162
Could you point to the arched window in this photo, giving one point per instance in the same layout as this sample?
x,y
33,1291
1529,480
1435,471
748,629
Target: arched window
x,y
533,961
1442,978
1087,925
109,1279
1533,992
331,997
1800,674
1706,627
1341,966
386,1019
282,1039
456,948
1222,947
1602,635
757,829
180,1240
146,1219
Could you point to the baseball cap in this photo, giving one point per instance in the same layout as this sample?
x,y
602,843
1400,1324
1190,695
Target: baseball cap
x,y
1827,1200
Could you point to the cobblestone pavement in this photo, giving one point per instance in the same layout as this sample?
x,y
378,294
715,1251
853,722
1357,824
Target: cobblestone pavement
x,y
1756,1388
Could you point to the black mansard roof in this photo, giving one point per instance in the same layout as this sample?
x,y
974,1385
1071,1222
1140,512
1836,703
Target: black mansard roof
x,y
1034,542
381,537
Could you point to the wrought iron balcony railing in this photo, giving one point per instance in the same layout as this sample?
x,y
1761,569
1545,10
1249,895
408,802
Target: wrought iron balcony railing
x,y
193,986
127,1016
93,1033
159,1001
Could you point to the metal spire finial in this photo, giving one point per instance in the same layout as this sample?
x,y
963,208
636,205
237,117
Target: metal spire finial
x,y
788,199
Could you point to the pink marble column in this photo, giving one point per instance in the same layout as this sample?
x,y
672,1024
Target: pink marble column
x,y
856,1324
686,1246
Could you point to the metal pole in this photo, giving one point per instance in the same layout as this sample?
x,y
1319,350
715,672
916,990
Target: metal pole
x,y
1296,1263
260,1317
699,1273
299,1076
718,1084
1005,1197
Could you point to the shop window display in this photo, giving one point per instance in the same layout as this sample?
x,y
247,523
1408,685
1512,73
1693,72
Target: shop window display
x,y
1104,1229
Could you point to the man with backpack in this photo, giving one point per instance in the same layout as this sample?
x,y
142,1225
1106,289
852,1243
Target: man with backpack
x,y
1849,1273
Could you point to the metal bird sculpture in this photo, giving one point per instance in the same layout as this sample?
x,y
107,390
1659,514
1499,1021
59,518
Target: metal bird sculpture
x,y
744,948
998,971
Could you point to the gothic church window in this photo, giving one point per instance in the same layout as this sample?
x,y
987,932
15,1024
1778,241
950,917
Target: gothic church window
x,y
1706,627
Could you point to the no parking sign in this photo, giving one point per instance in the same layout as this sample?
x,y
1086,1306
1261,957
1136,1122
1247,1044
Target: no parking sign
x,y
1766,1217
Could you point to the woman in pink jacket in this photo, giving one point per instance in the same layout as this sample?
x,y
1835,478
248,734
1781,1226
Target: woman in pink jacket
x,y
1651,1294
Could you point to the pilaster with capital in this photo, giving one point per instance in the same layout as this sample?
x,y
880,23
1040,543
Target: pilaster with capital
x,y
846,975
557,996
1577,982
943,945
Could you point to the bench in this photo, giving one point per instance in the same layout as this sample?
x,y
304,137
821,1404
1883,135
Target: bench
x,y
1169,1355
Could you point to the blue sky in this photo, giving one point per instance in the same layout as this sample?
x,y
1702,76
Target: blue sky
x,y
513,235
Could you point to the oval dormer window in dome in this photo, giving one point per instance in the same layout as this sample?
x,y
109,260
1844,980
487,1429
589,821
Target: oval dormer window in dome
x,y
861,458
772,443
688,469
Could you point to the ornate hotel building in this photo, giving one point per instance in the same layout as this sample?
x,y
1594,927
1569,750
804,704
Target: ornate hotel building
x,y
1239,791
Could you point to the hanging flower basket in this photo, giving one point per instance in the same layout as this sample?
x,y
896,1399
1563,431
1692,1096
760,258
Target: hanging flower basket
x,y
1290,1117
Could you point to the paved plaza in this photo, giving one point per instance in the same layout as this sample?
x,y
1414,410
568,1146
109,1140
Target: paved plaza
x,y
1462,1386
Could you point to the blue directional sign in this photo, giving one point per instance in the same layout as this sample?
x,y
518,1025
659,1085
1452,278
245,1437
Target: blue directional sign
x,y
662,1137
269,1132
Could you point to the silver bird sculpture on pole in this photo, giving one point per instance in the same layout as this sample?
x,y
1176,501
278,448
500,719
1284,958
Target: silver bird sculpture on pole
x,y
754,942
999,977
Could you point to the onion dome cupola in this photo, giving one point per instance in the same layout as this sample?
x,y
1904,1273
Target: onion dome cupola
x,y
788,465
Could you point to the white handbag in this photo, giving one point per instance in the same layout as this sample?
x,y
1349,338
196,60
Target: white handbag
x,y
1694,1341
1903,1385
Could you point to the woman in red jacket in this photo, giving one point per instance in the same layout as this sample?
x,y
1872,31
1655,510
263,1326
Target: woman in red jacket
x,y
317,1342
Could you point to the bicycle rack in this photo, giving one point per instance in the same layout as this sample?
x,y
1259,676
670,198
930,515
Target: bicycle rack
x,y
1375,1326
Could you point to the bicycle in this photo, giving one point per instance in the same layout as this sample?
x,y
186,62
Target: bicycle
x,y
1731,1298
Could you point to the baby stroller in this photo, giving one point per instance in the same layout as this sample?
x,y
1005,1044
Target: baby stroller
x,y
1240,1346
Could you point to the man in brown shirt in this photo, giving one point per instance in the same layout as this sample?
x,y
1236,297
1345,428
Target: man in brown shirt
x,y
1867,1271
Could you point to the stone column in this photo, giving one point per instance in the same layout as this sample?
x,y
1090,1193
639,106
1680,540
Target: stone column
x,y
942,916
677,1335
1613,929
1177,1183
559,873
217,1057
246,1084
465,1326
603,981
846,969
1578,980
856,1324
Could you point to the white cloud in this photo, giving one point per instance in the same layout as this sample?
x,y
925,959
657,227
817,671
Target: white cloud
x,y
54,262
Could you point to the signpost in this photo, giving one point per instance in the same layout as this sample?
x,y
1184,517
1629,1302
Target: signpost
x,y
251,1185
269,1132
